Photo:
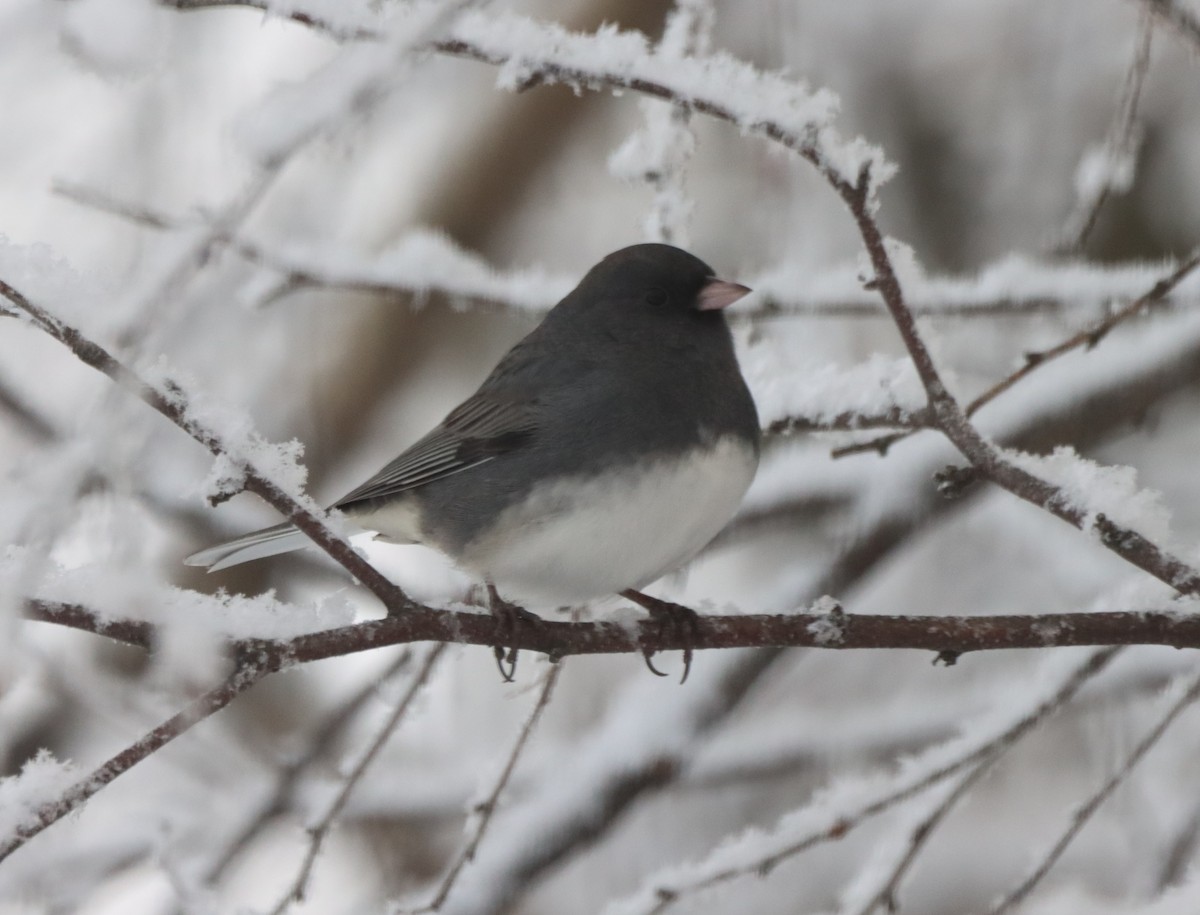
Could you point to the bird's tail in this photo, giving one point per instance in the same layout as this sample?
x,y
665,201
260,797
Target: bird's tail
x,y
270,541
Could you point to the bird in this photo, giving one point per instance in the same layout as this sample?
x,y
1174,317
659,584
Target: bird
x,y
604,450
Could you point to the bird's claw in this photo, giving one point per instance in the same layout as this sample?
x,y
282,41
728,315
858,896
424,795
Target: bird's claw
x,y
673,620
509,620
647,654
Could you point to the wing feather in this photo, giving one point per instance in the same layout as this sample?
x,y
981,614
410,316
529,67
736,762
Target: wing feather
x,y
480,429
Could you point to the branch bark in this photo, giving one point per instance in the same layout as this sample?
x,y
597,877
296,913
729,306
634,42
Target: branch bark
x,y
947,636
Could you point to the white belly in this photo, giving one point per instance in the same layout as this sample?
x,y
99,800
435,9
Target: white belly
x,y
581,539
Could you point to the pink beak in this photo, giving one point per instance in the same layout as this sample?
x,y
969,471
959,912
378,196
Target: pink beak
x,y
720,294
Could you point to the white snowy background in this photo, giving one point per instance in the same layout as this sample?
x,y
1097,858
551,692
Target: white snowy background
x,y
327,233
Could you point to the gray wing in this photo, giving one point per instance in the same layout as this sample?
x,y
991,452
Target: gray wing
x,y
483,427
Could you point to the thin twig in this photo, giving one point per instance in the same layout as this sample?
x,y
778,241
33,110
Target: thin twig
x,y
1087,338
171,401
952,421
318,831
923,832
244,676
288,776
1120,146
901,789
300,273
1182,20
487,808
851,421
1085,812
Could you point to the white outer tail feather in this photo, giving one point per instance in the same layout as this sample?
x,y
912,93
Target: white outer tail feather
x,y
271,541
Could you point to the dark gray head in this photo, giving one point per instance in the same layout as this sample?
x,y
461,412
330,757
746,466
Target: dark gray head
x,y
651,288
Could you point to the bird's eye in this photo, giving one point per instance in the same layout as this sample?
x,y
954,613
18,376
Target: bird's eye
x,y
656,296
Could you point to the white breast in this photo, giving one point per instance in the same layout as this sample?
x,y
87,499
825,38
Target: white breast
x,y
582,538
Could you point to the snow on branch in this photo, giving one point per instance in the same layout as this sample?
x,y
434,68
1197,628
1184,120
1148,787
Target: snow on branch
x,y
1187,692
244,459
952,421
657,153
529,53
317,831
1085,339
425,263
1109,168
847,803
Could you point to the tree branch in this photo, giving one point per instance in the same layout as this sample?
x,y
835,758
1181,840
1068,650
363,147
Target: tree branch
x,y
318,831
487,808
1119,151
1087,338
942,297
245,675
943,635
832,821
1084,813
171,401
1183,21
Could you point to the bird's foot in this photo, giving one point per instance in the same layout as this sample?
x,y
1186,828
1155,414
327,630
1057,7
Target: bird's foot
x,y
509,620
673,620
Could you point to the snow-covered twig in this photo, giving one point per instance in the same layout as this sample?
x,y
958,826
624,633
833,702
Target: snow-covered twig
x,y
1081,816
286,779
920,834
1087,338
846,805
169,399
530,53
487,808
320,829
1109,169
424,264
952,421
657,153
246,674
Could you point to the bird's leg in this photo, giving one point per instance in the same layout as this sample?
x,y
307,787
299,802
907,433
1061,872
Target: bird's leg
x,y
672,619
509,618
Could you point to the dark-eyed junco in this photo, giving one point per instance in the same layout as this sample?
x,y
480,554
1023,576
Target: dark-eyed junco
x,y
604,450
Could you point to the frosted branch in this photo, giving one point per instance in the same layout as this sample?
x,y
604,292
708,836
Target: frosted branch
x,y
486,809
320,829
1085,812
848,804
285,782
244,676
425,264
1086,339
1110,168
169,399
